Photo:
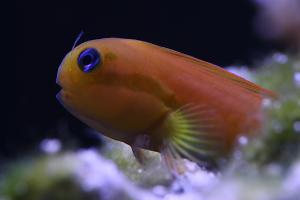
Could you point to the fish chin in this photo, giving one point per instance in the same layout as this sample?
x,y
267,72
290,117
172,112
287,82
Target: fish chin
x,y
64,98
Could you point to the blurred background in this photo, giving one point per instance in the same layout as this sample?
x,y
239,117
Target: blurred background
x,y
45,152
220,32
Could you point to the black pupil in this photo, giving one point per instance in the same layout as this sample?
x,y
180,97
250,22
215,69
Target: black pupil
x,y
86,60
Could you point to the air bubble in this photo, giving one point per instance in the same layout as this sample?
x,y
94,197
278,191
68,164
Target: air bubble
x,y
297,79
50,146
266,103
243,140
280,58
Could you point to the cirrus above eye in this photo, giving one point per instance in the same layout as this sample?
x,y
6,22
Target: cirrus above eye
x,y
89,59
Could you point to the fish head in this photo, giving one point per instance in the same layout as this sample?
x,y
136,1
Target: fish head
x,y
104,86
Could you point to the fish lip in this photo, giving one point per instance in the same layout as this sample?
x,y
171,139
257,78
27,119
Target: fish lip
x,y
59,96
64,96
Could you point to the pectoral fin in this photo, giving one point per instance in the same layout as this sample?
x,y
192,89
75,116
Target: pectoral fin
x,y
193,134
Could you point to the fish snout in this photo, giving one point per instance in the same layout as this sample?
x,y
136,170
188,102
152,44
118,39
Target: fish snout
x,y
62,71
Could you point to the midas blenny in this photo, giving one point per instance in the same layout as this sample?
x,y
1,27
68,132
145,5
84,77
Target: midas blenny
x,y
155,98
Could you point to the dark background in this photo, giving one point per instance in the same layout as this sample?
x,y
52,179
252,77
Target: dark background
x,y
220,32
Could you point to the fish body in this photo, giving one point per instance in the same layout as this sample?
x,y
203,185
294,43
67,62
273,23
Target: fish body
x,y
155,98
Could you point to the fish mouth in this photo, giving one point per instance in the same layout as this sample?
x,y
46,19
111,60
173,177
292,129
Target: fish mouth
x,y
63,95
64,98
59,96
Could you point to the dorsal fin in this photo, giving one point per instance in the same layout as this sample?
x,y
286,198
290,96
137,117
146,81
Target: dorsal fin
x,y
218,71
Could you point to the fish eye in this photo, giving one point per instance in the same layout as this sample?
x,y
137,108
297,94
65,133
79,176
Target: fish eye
x,y
88,59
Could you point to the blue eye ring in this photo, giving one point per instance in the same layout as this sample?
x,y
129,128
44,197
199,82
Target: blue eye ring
x,y
88,60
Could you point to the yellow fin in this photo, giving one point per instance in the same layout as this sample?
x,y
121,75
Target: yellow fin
x,y
193,134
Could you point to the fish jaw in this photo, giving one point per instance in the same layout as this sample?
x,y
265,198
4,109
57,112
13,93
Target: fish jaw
x,y
63,97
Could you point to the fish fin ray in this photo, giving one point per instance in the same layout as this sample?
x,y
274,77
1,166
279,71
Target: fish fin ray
x,y
189,136
172,160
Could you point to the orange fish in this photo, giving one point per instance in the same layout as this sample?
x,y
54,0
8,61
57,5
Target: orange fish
x,y
158,99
